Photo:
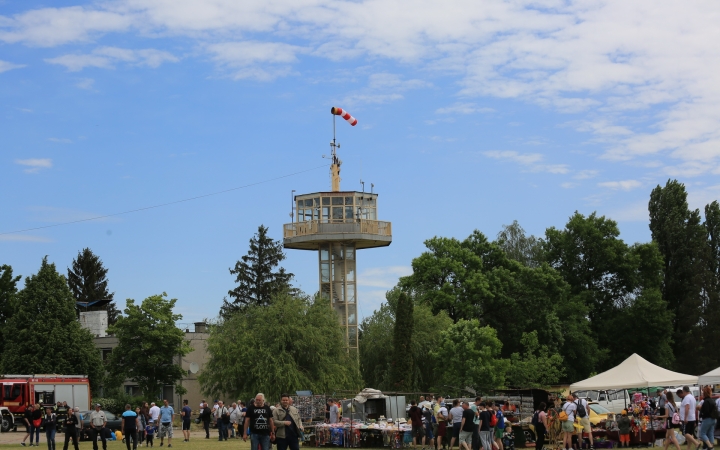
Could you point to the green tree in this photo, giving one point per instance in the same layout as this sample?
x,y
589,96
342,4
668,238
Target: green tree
x,y
44,312
291,344
711,287
401,367
607,276
88,282
150,346
471,356
474,279
376,344
527,250
682,241
537,367
256,275
8,290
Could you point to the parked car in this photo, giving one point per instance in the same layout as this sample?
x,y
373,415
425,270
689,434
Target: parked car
x,y
598,413
613,400
113,423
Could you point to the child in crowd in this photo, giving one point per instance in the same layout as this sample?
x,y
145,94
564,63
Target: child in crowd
x,y
150,430
624,425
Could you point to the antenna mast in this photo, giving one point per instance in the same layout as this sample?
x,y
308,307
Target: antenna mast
x,y
336,163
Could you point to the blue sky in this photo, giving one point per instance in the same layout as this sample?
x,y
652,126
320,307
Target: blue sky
x,y
471,115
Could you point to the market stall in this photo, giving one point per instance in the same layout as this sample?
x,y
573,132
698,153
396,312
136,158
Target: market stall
x,y
370,419
634,372
712,377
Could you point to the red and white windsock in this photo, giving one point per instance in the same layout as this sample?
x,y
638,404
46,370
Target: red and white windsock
x,y
344,114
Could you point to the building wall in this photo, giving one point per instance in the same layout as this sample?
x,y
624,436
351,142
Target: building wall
x,y
198,356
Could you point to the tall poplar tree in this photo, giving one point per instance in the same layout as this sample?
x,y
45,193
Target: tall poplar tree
x,y
711,287
88,282
257,274
43,334
401,367
681,238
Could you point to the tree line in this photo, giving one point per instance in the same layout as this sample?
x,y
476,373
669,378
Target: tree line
x,y
516,310
40,331
579,296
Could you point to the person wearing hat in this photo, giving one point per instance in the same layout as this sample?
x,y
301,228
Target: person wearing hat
x,y
623,423
150,430
98,421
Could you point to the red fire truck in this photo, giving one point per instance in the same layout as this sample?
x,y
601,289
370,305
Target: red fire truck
x,y
47,390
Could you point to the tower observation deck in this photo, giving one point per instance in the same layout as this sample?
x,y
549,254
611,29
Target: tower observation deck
x,y
337,224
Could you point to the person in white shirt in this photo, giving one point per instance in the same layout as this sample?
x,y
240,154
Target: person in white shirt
x,y
585,421
568,426
688,415
154,412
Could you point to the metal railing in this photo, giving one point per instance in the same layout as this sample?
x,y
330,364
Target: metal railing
x,y
363,226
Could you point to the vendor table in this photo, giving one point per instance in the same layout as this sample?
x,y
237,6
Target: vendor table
x,y
360,437
640,437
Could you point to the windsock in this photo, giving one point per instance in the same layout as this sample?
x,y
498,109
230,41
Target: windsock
x,y
344,114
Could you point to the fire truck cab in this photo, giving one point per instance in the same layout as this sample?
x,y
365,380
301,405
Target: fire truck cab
x,y
21,390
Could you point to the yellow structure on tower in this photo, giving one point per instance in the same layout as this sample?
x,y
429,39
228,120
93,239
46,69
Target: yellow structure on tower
x,y
337,224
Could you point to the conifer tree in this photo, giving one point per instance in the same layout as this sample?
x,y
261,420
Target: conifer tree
x,y
43,334
88,282
258,276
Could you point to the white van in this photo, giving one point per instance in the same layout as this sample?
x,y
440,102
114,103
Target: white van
x,y
613,400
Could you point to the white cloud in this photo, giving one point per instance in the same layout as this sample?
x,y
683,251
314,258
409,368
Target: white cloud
x,y
463,108
48,27
261,61
35,165
531,161
5,66
85,83
625,185
60,140
524,159
585,174
374,283
383,88
568,185
606,58
633,212
107,57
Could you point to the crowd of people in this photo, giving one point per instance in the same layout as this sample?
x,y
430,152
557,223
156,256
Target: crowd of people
x,y
472,425
694,420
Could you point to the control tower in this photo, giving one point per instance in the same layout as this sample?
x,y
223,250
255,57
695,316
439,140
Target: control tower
x,y
337,224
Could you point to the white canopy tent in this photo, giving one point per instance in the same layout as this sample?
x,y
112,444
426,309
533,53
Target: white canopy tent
x,y
634,372
712,377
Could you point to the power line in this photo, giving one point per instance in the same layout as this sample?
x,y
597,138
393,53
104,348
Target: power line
x,y
165,204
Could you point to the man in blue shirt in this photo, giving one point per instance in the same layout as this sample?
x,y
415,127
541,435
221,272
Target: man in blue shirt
x,y
166,417
130,425
186,412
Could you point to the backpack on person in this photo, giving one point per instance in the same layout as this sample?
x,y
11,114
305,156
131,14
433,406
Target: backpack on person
x,y
581,413
563,415
535,419
493,420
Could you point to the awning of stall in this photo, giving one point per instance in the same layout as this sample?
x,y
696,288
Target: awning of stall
x,y
634,372
712,377
367,394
